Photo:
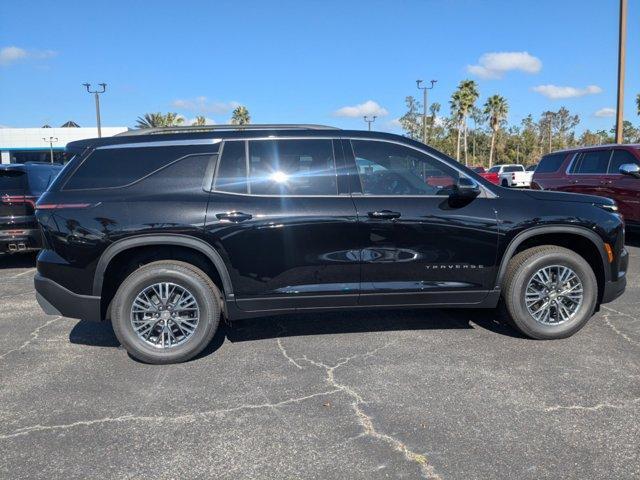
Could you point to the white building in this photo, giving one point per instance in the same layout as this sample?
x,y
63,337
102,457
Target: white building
x,y
19,145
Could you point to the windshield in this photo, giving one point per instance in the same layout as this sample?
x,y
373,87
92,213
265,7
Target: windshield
x,y
513,168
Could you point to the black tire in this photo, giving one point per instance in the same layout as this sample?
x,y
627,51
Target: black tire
x,y
505,184
186,276
521,269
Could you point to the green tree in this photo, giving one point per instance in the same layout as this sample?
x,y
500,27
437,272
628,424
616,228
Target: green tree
x,y
152,120
457,117
199,121
410,121
564,123
434,109
240,116
462,102
496,110
638,104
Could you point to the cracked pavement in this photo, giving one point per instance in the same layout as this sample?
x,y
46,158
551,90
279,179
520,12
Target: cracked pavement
x,y
448,394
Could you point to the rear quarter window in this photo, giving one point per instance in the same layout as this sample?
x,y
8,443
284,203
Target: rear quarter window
x,y
550,163
120,167
513,168
11,180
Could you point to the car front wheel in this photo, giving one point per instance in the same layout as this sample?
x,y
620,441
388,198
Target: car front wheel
x,y
166,312
549,292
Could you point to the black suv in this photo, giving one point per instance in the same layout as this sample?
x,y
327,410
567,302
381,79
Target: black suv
x,y
165,231
20,187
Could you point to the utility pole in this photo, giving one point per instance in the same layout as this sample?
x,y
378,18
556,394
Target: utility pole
x,y
424,107
370,120
622,40
51,141
97,97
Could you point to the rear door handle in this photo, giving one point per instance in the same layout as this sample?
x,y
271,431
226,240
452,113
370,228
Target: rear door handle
x,y
385,214
233,216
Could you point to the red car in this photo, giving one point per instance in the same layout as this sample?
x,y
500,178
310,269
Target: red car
x,y
611,171
492,176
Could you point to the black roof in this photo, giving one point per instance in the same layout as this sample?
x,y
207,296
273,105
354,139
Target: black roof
x,y
227,131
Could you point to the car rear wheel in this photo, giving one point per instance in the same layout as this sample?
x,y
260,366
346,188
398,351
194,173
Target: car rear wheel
x,y
166,312
549,292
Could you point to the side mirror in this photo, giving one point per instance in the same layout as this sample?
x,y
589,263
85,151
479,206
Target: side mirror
x,y
466,188
630,169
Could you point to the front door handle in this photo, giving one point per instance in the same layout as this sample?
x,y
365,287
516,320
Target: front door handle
x,y
234,216
384,214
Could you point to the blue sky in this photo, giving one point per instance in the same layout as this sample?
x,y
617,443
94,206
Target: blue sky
x,y
303,61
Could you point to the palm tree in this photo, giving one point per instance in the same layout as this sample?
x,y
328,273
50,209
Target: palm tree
x,y
151,120
470,94
240,116
434,109
200,121
496,109
638,103
462,102
457,117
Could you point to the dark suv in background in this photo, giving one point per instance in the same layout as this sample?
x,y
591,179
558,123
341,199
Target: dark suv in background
x,y
20,186
611,171
166,230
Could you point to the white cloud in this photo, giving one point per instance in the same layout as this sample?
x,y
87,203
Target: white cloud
x,y
496,64
367,108
204,105
11,54
605,112
555,92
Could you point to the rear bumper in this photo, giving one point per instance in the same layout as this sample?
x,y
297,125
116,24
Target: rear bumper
x,y
57,300
18,240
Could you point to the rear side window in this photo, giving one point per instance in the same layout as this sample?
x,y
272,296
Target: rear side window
x,y
550,163
619,158
292,167
513,168
592,162
277,167
11,180
40,178
119,167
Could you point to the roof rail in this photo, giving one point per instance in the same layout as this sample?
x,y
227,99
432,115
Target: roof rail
x,y
216,128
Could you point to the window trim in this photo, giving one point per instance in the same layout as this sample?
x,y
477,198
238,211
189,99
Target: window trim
x,y
577,155
248,167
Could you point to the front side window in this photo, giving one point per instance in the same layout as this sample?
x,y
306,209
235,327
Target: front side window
x,y
619,158
391,169
592,162
495,169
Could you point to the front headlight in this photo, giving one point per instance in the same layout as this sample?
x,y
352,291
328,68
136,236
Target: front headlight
x,y
608,208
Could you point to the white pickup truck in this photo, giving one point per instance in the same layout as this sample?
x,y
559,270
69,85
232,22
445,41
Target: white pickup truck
x,y
512,175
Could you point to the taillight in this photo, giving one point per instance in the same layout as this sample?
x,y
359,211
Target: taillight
x,y
60,206
19,200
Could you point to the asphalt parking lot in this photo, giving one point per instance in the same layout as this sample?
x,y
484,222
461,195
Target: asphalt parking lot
x,y
383,394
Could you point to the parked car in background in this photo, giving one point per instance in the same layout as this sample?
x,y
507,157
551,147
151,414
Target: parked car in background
x,y
610,171
166,231
492,177
512,175
531,168
20,187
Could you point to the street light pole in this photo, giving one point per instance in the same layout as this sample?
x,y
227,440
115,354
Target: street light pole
x,y
370,120
622,40
424,107
97,97
51,140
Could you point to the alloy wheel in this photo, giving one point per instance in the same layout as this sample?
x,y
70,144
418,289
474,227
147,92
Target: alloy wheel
x,y
553,295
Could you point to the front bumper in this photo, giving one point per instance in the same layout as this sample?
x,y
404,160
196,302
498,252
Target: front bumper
x,y
57,300
614,288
